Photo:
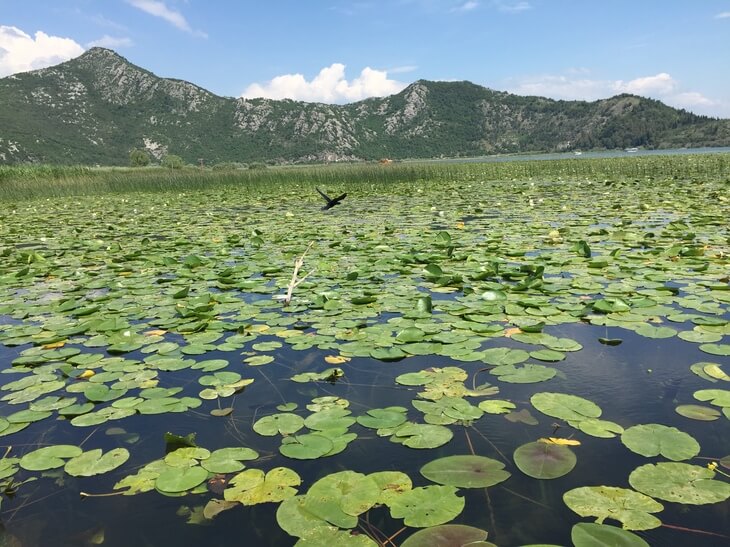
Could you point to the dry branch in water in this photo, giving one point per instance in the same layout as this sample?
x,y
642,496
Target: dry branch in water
x,y
295,281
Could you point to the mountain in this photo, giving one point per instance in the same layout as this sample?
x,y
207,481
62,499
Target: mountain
x,y
94,109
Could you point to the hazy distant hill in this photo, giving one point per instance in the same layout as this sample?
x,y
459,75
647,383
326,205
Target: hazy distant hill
x,y
94,109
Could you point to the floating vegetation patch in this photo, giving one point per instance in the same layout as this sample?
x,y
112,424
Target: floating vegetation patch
x,y
436,361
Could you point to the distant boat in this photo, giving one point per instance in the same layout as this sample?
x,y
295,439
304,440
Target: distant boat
x,y
577,152
631,150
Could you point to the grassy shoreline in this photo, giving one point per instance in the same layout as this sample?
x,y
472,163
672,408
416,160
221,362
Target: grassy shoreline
x,y
44,181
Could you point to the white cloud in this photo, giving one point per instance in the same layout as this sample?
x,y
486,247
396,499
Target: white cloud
x,y
111,42
161,10
509,6
20,52
329,86
723,15
467,6
659,86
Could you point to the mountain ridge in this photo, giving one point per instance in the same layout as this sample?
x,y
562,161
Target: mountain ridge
x,y
97,107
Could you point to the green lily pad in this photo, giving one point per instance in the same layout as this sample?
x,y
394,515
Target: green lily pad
x,y
716,349
698,412
544,460
49,457
565,406
465,471
279,424
94,462
423,435
446,535
679,483
253,486
630,508
656,439
180,479
497,406
309,446
504,356
586,534
228,460
525,374
650,331
382,418
427,506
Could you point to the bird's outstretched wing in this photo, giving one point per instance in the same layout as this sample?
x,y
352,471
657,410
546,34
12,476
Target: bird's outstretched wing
x,y
325,196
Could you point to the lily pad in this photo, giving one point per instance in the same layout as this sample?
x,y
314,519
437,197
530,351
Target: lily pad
x,y
525,374
679,483
94,462
544,461
423,435
253,486
49,457
180,479
427,506
586,534
630,508
565,406
698,412
656,439
465,471
446,535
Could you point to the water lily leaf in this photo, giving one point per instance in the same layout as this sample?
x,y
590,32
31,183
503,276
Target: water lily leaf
x,y
713,370
49,457
598,428
523,416
309,446
680,483
698,412
180,479
296,519
565,406
328,375
427,506
656,439
340,496
650,331
716,397
548,355
525,374
504,356
630,508
188,456
410,334
258,360
382,418
497,406
391,484
446,535
423,435
387,354
588,534
544,461
465,471
279,424
716,349
228,460
27,416
560,441
253,486
214,507
94,462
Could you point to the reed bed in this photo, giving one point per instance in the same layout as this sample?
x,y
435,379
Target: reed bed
x,y
44,181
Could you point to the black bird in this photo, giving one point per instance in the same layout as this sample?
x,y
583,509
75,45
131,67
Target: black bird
x,y
330,202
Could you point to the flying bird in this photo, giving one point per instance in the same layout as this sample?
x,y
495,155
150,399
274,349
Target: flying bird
x,y
330,201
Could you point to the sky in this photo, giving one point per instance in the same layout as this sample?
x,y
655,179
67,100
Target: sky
x,y
332,51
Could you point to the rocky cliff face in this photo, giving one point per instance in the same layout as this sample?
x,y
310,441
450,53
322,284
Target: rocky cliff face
x,y
95,108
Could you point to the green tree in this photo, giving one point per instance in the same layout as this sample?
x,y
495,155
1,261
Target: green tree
x,y
172,161
139,158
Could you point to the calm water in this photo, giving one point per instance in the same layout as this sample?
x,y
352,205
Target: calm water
x,y
585,155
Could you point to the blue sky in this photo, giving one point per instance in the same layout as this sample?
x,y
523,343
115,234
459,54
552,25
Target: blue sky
x,y
336,51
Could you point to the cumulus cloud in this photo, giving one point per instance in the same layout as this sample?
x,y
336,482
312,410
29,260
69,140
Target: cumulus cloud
x,y
660,84
329,86
20,52
573,87
111,42
723,15
161,10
